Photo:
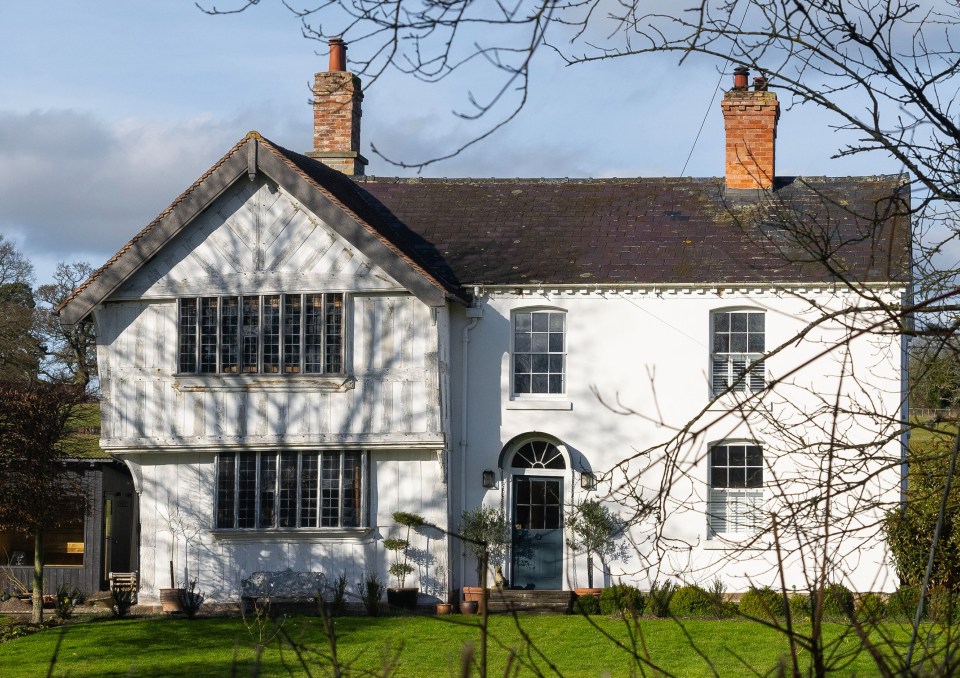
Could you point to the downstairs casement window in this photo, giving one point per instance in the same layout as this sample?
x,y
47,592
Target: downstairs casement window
x,y
290,490
269,334
736,489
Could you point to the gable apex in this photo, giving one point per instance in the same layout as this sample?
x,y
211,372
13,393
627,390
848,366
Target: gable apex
x,y
251,155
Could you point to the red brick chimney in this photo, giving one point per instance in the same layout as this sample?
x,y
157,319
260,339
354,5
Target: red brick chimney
x,y
750,119
336,115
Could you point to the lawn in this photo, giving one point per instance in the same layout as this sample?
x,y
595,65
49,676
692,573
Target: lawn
x,y
420,646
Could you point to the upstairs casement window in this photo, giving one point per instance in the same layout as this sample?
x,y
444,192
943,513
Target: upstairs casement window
x,y
738,347
539,353
290,490
736,489
270,334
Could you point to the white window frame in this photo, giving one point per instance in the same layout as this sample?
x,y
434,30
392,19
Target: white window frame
x,y
190,358
516,351
734,512
235,458
738,371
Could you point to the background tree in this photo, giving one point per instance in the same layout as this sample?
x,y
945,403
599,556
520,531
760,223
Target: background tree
x,y
70,352
38,492
19,348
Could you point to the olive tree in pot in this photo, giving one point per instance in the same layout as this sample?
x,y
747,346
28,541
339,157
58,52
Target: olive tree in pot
x,y
485,534
599,532
400,595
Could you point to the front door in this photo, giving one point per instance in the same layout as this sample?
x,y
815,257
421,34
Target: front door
x,y
537,532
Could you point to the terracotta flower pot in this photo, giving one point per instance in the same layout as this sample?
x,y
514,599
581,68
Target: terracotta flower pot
x,y
171,600
469,607
444,608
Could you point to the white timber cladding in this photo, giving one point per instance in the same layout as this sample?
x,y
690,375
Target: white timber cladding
x,y
177,508
388,401
256,240
638,371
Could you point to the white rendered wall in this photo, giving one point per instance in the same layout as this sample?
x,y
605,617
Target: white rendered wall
x,y
638,392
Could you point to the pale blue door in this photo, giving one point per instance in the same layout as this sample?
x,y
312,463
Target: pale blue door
x,y
537,533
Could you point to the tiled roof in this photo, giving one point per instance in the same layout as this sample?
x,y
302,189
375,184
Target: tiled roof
x,y
627,231
636,231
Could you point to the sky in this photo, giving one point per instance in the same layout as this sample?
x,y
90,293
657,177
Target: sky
x,y
109,109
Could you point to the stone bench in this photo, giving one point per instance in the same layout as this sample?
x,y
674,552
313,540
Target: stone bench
x,y
286,586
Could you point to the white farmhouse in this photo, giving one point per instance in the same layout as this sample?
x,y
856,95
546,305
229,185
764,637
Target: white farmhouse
x,y
292,352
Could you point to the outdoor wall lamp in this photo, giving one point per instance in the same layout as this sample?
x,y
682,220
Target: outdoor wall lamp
x,y
588,481
489,479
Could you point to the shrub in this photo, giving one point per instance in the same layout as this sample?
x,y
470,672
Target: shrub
x,y
371,591
871,608
691,601
622,599
763,603
837,601
943,606
586,605
718,600
902,603
66,599
122,598
800,607
338,603
192,599
660,596
910,529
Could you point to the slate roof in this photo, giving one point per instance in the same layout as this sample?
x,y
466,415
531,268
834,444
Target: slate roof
x,y
636,231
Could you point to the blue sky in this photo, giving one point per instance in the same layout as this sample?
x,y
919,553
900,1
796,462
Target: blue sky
x,y
110,108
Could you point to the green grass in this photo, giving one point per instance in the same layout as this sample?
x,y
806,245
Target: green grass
x,y
424,646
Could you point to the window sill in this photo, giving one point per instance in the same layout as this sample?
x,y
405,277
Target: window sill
x,y
285,535
544,404
264,382
747,543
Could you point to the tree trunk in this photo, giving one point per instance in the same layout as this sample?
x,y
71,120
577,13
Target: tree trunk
x,y
590,570
37,616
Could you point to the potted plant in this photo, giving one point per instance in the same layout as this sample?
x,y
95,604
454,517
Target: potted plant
x,y
171,599
402,596
597,531
485,534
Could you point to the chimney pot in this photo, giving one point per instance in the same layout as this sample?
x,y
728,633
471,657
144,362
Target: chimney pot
x,y
338,54
760,84
740,75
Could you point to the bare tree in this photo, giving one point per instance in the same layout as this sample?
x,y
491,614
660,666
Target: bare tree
x,y
69,352
888,72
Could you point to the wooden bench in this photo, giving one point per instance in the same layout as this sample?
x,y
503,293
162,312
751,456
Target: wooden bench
x,y
124,581
286,586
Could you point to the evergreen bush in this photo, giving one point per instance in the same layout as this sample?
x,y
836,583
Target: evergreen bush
x,y
902,603
800,606
660,596
622,599
586,605
762,603
691,601
871,608
837,601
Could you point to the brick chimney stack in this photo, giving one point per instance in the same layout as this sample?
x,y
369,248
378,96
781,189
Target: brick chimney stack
x,y
750,119
336,115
